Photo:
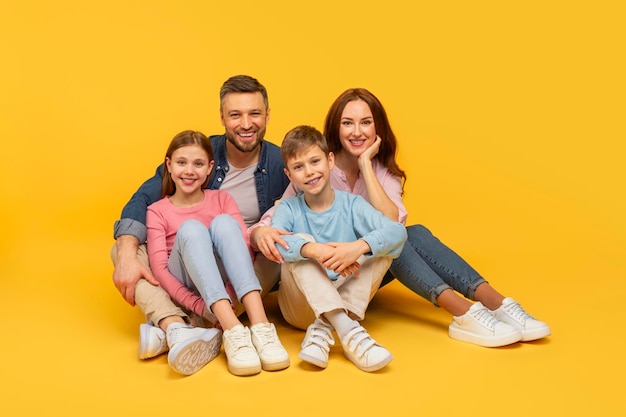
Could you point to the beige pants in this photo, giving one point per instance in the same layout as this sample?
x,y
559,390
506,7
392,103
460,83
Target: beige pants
x,y
306,292
156,303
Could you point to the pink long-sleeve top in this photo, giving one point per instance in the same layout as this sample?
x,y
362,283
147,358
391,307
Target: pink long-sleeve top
x,y
392,184
163,221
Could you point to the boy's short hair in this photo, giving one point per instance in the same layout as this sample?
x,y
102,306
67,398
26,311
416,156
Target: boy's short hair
x,y
299,139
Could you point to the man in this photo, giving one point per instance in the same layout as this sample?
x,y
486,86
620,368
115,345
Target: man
x,y
248,167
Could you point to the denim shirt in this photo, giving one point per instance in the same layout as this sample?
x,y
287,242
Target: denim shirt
x,y
269,177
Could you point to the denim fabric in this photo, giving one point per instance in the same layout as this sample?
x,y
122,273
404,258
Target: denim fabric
x,y
193,259
427,267
269,177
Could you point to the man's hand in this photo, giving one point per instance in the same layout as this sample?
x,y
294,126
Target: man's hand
x,y
128,269
265,238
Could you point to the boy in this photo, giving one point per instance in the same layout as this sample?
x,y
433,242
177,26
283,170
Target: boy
x,y
336,258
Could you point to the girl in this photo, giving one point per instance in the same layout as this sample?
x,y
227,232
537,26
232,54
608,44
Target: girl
x,y
359,134
197,241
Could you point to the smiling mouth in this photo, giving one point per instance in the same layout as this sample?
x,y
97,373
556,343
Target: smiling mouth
x,y
246,135
357,142
313,181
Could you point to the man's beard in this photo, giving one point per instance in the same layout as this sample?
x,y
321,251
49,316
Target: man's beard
x,y
247,146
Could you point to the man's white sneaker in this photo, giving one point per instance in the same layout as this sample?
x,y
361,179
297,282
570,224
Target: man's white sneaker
x,y
152,341
511,312
363,351
241,355
480,327
271,352
192,347
315,347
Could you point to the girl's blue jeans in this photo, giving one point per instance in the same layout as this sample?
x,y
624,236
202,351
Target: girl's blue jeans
x,y
203,258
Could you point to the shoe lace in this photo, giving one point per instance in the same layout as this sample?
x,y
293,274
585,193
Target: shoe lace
x,y
265,335
516,311
484,317
238,339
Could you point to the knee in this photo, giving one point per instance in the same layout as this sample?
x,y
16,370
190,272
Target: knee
x,y
224,223
190,229
417,233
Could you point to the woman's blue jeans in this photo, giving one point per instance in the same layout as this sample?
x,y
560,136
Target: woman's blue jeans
x,y
428,267
200,256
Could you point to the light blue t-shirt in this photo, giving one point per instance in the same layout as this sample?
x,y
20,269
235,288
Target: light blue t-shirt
x,y
349,218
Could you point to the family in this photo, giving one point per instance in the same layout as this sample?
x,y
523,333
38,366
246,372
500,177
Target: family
x,y
320,219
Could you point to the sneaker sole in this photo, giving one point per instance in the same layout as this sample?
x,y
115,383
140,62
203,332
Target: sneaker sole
x,y
275,366
191,357
313,360
540,333
485,341
372,368
245,370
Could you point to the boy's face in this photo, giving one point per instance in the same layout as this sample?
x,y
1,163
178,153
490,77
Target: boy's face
x,y
310,169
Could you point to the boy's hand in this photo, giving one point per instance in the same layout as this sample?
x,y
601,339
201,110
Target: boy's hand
x,y
341,257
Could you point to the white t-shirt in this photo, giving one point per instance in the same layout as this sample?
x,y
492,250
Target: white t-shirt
x,y
239,182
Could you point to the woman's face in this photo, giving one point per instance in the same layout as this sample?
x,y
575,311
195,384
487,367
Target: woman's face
x,y
357,131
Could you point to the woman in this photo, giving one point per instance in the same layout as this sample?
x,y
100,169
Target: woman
x,y
360,136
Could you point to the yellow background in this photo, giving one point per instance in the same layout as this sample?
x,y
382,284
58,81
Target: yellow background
x,y
510,117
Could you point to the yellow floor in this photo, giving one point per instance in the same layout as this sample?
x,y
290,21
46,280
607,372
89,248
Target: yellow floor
x,y
510,121
73,350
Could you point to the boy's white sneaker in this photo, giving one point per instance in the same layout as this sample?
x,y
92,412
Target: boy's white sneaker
x,y
480,327
315,346
363,351
152,341
241,354
192,347
271,352
511,312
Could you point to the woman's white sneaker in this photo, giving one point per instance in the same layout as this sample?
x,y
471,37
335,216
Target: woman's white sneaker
x,y
480,327
511,312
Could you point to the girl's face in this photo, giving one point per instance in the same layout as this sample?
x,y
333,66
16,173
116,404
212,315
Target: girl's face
x,y
356,129
189,168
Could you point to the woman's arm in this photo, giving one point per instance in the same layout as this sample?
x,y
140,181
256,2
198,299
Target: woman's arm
x,y
378,197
